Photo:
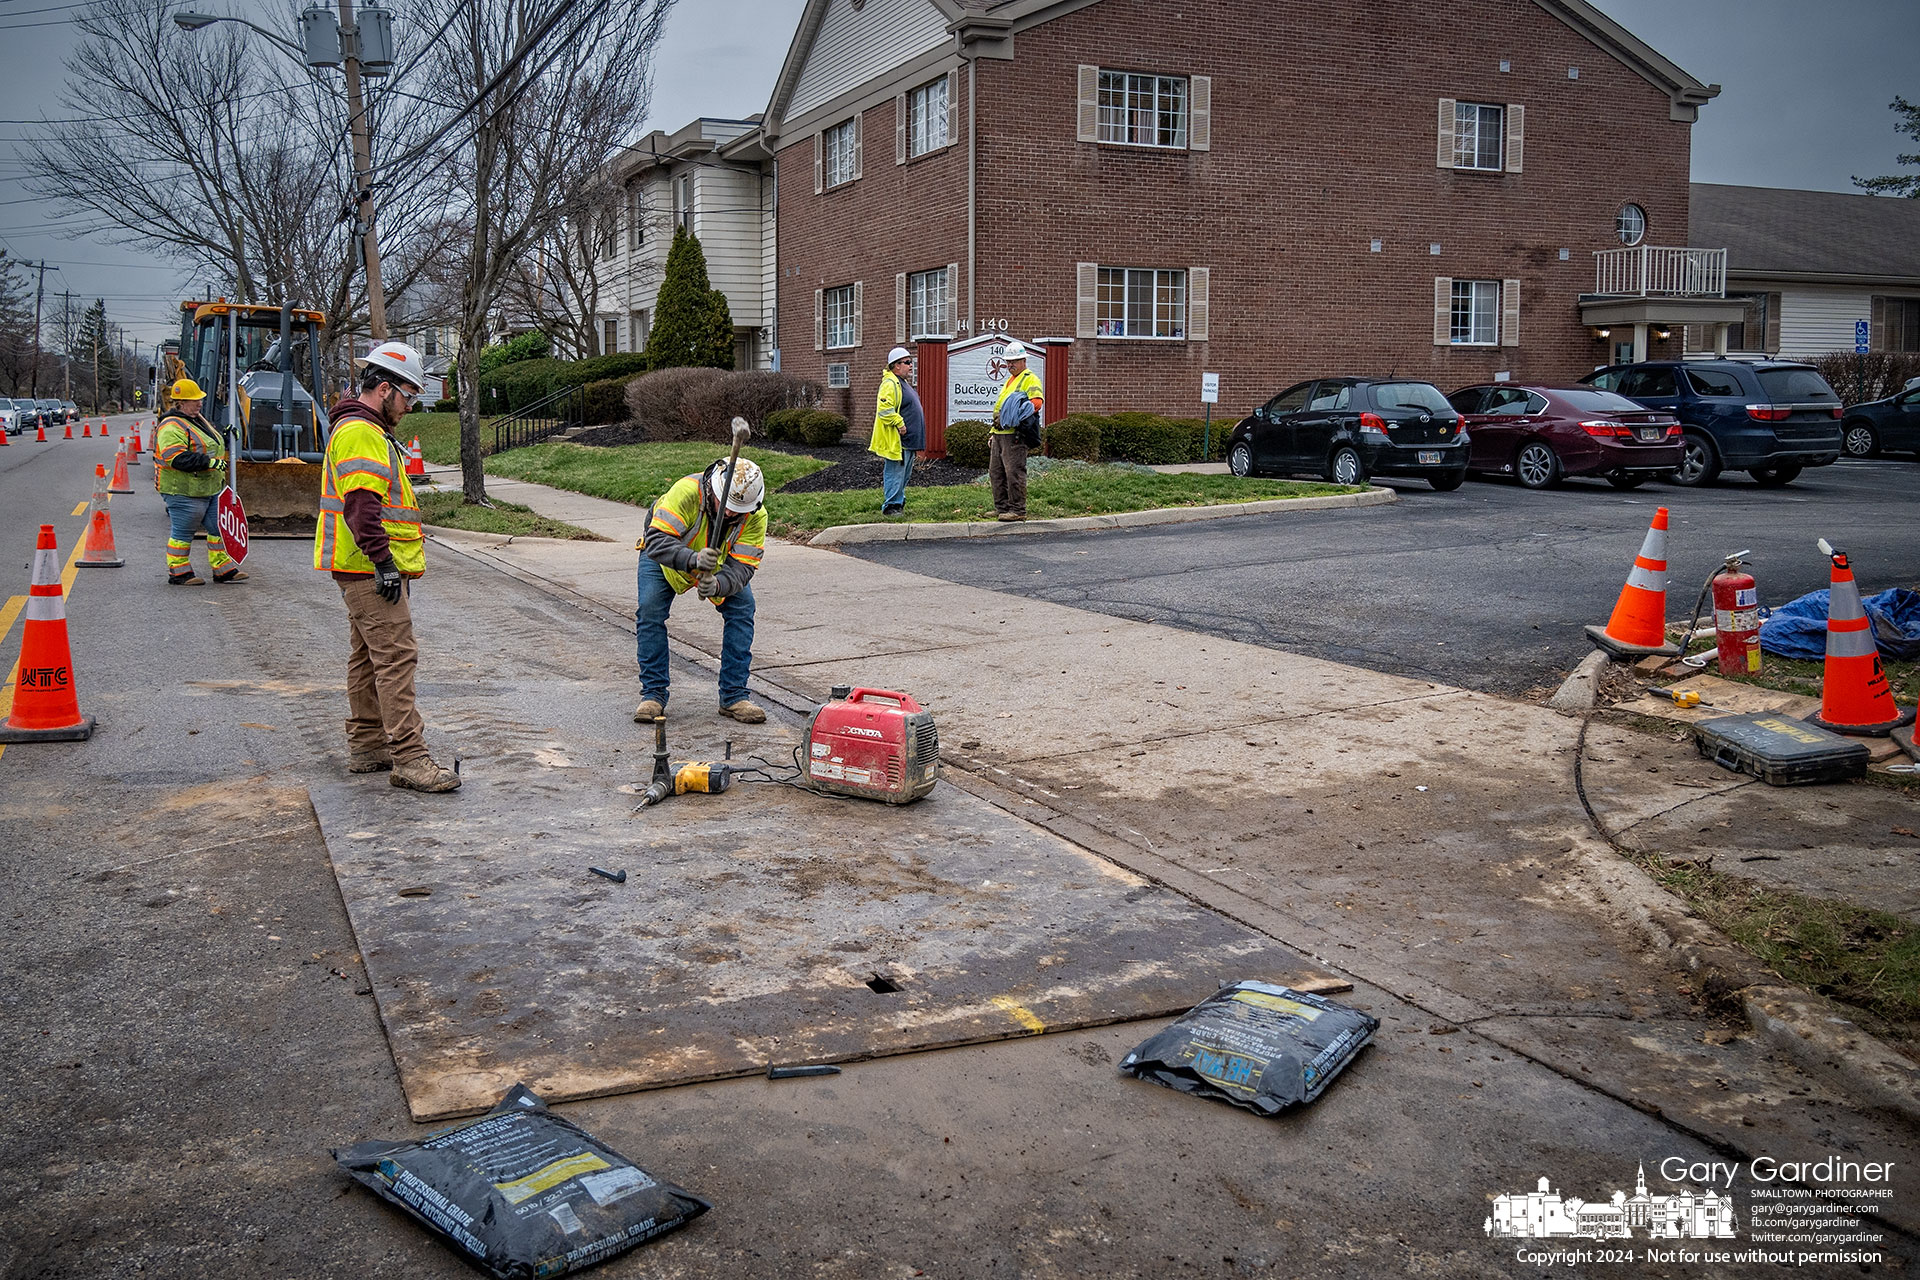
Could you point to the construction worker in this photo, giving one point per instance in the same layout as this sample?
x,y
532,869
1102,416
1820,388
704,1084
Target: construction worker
x,y
1007,447
369,537
691,543
190,457
899,431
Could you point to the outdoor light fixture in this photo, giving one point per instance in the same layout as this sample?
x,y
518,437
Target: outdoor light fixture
x,y
190,21
1663,333
1603,333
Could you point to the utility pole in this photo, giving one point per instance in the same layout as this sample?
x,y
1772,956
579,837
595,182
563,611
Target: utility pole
x,y
38,295
364,206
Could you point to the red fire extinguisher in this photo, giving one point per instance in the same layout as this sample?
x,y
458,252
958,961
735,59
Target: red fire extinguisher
x,y
1736,618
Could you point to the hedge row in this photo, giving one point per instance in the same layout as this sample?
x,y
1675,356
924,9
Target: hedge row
x,y
512,387
701,404
1873,376
817,428
1144,438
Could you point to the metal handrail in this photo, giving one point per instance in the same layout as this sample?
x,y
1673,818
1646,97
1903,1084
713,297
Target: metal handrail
x,y
1648,271
541,420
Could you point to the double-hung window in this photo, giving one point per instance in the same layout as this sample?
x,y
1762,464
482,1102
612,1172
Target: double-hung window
x,y
927,303
838,145
839,316
1477,132
1143,110
1476,313
927,118
683,202
1136,302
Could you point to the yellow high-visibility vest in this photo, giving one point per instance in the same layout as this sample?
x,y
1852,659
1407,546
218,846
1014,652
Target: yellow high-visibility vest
x,y
678,513
362,456
1026,380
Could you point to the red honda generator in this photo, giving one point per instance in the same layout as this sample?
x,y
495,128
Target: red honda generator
x,y
872,743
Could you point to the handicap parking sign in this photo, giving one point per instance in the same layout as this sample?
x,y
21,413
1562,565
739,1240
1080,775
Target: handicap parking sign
x,y
1861,337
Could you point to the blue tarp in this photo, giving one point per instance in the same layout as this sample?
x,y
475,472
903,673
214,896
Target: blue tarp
x,y
1798,629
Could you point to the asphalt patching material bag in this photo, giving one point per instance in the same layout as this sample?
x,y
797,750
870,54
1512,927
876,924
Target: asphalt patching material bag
x,y
1258,1046
522,1192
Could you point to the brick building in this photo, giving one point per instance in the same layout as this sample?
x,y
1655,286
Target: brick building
x,y
1263,190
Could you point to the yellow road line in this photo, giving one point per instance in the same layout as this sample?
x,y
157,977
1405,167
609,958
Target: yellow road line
x,y
77,510
1020,1013
8,612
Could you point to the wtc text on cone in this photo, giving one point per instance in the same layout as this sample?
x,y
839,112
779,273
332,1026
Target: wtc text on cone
x,y
46,707
1638,627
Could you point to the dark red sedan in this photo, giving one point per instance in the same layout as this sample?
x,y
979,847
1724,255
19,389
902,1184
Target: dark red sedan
x,y
1542,434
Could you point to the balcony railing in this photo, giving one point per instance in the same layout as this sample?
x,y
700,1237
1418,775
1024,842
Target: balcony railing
x,y
1651,271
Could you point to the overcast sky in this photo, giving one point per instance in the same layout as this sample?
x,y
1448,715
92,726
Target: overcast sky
x,y
1804,104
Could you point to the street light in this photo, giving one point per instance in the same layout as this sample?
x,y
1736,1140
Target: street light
x,y
365,48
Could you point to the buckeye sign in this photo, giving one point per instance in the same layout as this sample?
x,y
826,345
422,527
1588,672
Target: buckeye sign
x,y
232,519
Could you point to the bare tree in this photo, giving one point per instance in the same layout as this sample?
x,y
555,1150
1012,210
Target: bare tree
x,y
535,100
558,287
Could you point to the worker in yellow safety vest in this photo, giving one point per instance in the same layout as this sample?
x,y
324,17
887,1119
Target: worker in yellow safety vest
x,y
190,470
709,536
369,538
1006,446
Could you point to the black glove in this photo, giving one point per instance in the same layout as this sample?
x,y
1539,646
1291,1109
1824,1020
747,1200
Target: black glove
x,y
386,580
191,460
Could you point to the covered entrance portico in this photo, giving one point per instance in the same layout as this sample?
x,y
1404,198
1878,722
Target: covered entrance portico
x,y
1642,315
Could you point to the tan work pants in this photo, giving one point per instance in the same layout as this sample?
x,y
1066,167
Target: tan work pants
x,y
1007,473
381,715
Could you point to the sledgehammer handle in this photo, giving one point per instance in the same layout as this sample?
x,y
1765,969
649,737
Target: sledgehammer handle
x,y
741,431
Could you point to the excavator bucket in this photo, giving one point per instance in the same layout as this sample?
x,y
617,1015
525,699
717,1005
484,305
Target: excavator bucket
x,y
282,498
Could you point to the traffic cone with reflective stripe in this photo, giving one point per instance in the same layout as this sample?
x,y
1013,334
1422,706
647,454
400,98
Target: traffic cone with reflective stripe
x,y
416,463
41,438
4,433
1638,626
133,444
45,706
100,553
1854,697
86,429
69,434
121,483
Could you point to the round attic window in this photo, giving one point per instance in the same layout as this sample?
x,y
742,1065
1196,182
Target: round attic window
x,y
1631,224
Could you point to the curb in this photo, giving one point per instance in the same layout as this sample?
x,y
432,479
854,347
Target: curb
x,y
849,534
1581,689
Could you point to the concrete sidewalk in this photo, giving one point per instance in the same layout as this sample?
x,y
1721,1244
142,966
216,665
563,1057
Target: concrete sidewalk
x,y
1420,838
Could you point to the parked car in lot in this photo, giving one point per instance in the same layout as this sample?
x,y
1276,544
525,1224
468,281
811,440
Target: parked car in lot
x,y
1769,418
31,415
1348,429
1540,434
1878,425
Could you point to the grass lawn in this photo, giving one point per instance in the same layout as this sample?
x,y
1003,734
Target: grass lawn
x,y
440,435
1790,675
449,510
636,473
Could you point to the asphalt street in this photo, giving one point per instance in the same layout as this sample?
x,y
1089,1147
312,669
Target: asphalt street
x,y
1486,588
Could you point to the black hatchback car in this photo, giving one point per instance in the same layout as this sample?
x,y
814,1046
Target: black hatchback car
x,y
1348,429
1769,418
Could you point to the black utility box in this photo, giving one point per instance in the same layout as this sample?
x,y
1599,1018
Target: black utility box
x,y
1778,749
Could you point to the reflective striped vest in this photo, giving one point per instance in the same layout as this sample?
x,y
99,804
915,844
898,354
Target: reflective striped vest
x,y
679,512
361,455
178,435
1026,381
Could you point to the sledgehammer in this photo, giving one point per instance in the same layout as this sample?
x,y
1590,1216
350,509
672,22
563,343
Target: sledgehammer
x,y
740,433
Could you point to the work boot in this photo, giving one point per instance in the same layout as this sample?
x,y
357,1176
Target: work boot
x,y
649,711
745,712
186,579
369,762
1009,517
231,575
424,775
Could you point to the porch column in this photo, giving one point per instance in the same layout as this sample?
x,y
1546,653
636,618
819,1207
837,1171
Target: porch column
x,y
1720,341
1639,343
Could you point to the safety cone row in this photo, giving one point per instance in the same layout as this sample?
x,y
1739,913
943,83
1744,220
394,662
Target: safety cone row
x,y
1638,627
46,707
1854,697
100,552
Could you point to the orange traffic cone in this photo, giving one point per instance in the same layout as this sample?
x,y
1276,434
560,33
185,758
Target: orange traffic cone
x,y
133,443
100,553
45,706
4,442
416,462
121,483
41,438
1638,626
69,434
1854,697
86,429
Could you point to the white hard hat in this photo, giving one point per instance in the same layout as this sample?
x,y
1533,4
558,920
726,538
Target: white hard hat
x,y
898,354
398,357
749,486
1016,350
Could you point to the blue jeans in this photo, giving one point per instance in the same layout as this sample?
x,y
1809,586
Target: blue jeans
x,y
650,636
894,477
184,515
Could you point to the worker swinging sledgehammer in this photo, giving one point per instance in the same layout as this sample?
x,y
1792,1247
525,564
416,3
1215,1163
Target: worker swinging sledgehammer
x,y
707,532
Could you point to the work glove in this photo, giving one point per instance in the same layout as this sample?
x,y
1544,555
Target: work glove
x,y
709,588
191,460
706,560
386,580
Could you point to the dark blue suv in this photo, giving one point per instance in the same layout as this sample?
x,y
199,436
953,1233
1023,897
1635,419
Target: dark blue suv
x,y
1769,418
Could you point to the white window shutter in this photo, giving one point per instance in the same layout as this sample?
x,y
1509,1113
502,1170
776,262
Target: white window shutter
x,y
953,299
1509,313
900,128
819,319
819,163
1089,130
900,307
1516,135
1200,113
858,144
953,107
1199,291
1086,299
1444,158
857,291
1443,311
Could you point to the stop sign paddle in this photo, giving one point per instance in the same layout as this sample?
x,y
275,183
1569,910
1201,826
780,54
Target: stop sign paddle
x,y
232,519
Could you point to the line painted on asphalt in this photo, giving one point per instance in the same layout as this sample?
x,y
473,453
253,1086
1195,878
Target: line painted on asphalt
x,y
8,612
78,509
1020,1013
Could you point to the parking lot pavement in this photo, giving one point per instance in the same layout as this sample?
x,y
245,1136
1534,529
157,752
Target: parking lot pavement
x,y
1486,588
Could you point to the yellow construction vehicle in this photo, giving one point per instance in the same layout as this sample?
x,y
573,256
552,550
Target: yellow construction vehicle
x,y
278,437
